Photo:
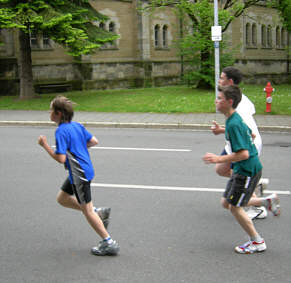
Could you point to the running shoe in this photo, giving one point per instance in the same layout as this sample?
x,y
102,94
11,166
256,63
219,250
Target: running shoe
x,y
105,249
104,214
251,247
261,186
274,204
257,212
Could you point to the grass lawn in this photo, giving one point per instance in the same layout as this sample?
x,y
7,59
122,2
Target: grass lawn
x,y
172,99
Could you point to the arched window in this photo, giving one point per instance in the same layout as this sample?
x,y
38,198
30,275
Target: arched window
x,y
263,36
278,37
248,34
33,39
102,26
254,34
269,36
165,36
283,37
45,40
112,27
157,35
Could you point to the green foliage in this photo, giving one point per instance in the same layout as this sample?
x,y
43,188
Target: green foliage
x,y
70,23
284,7
196,45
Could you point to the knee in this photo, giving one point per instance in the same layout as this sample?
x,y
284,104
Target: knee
x,y
225,204
87,210
61,198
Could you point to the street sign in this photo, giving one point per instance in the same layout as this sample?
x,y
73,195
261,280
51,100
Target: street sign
x,y
216,33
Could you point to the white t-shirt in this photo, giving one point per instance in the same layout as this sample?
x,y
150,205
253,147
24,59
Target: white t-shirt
x,y
246,110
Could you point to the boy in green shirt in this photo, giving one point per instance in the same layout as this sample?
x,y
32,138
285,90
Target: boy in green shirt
x,y
247,169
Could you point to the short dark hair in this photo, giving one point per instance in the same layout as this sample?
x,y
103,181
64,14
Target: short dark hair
x,y
231,92
234,74
65,106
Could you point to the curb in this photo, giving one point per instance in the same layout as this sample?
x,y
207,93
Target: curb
x,y
139,125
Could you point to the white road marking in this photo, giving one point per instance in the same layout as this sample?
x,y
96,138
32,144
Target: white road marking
x,y
168,188
142,148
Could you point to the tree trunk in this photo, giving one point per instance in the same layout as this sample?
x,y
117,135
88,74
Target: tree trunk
x,y
25,66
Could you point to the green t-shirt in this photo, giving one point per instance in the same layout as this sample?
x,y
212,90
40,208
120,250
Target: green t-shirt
x,y
238,137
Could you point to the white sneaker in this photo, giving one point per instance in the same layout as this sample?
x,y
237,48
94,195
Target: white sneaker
x,y
104,214
262,186
274,204
251,247
257,212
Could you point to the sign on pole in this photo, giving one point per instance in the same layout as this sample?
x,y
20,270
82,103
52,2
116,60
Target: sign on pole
x,y
216,37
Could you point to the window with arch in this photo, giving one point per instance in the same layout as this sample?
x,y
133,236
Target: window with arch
x,y
254,34
45,40
111,28
263,36
283,38
248,34
157,35
278,37
269,36
165,36
39,41
102,25
33,39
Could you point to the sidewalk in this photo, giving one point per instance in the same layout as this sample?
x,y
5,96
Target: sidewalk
x,y
274,123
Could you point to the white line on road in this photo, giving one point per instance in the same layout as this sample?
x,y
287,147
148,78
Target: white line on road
x,y
167,188
142,148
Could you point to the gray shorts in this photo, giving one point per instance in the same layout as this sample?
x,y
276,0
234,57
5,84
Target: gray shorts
x,y
239,189
82,191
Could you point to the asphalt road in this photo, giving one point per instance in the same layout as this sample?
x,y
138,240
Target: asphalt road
x,y
166,234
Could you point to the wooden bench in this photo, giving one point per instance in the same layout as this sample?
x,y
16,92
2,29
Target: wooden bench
x,y
54,87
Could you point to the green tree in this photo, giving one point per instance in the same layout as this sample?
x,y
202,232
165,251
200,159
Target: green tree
x,y
284,7
197,46
70,23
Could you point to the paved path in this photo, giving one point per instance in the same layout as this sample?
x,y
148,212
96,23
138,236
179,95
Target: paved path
x,y
280,123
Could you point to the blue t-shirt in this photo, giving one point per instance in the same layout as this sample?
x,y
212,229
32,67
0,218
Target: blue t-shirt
x,y
71,140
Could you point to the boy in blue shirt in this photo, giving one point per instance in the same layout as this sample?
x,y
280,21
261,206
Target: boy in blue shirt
x,y
247,169
72,143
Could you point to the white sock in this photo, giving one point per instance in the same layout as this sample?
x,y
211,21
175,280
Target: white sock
x,y
108,240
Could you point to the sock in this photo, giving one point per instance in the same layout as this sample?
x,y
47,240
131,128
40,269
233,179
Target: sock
x,y
265,202
108,240
95,209
257,239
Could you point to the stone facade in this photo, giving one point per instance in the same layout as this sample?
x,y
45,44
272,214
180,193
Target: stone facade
x,y
145,53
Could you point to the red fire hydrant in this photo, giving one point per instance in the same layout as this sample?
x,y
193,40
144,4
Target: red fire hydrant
x,y
268,89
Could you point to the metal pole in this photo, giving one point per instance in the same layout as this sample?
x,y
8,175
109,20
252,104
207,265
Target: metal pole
x,y
216,48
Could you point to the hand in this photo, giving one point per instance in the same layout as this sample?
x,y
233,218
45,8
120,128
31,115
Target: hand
x,y
210,158
42,140
216,129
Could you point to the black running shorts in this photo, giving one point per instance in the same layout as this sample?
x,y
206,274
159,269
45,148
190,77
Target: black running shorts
x,y
82,191
239,189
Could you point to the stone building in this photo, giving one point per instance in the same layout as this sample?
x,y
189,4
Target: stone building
x,y
145,52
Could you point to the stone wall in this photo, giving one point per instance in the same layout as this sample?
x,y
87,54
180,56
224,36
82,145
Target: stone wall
x,y
136,59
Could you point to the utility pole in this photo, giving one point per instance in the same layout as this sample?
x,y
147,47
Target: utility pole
x,y
216,37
